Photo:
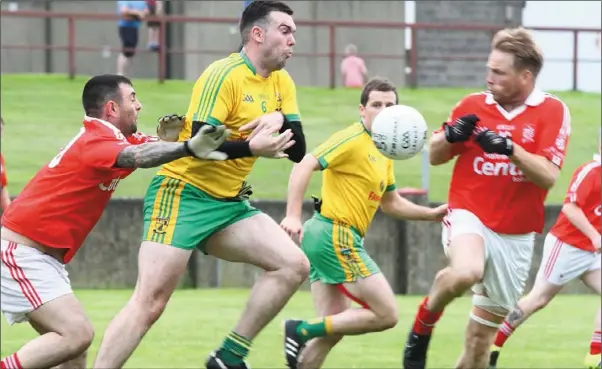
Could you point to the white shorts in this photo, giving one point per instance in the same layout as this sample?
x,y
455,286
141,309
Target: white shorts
x,y
507,257
561,262
29,279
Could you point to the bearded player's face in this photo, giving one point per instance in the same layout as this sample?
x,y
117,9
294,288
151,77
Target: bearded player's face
x,y
128,110
279,39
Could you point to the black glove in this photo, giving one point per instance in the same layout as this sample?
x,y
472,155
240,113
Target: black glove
x,y
461,129
492,143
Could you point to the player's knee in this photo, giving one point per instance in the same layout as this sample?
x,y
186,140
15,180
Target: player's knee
x,y
389,320
150,307
463,279
297,268
79,337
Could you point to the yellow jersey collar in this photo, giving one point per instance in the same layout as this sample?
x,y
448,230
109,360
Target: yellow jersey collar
x,y
247,62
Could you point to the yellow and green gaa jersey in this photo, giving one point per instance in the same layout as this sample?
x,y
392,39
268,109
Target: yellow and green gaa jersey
x,y
355,177
229,92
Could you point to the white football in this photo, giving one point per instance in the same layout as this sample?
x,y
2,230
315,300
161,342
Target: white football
x,y
399,132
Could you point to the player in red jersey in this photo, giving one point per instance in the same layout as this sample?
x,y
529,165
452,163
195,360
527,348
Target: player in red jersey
x,y
510,143
4,196
571,250
47,223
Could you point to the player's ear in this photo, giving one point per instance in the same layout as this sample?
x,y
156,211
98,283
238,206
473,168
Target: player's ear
x,y
362,110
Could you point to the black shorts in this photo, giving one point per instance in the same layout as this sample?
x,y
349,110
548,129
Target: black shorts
x,y
129,40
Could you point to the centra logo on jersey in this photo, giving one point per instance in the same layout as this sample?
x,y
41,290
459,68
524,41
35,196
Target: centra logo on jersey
x,y
598,210
112,186
485,167
247,98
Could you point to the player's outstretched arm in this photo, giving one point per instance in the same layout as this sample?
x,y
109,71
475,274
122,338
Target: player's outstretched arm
x,y
148,155
297,186
394,205
577,217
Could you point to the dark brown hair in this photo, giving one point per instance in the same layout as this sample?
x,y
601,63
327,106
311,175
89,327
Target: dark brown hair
x,y
377,84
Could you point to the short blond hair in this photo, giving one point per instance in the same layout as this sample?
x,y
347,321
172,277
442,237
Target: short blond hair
x,y
520,43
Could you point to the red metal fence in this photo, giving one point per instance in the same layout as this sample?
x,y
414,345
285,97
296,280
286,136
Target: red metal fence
x,y
332,27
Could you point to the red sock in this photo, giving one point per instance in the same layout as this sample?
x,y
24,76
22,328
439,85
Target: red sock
x,y
595,347
503,334
11,362
425,320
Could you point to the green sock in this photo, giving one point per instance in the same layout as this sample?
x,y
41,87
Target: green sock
x,y
235,348
309,329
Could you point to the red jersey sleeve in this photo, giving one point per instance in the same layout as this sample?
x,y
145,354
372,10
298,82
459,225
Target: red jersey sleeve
x,y
3,181
102,151
554,137
581,185
463,107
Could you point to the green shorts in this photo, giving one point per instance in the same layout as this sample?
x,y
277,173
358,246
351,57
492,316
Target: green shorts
x,y
181,215
335,251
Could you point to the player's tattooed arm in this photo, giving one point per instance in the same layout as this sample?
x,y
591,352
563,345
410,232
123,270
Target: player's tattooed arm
x,y
516,317
150,155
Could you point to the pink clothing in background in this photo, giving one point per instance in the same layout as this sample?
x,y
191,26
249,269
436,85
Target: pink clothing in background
x,y
353,70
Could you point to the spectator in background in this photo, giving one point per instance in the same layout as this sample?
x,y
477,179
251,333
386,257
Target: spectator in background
x,y
155,8
4,196
132,13
353,68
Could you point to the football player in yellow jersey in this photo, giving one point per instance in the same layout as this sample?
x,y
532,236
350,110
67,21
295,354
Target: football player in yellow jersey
x,y
204,204
356,180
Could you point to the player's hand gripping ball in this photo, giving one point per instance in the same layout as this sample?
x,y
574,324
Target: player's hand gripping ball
x,y
399,132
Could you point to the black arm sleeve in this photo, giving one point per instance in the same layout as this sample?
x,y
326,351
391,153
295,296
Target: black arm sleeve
x,y
234,149
297,151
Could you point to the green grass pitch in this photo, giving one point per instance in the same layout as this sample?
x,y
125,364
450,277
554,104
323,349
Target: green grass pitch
x,y
196,321
44,112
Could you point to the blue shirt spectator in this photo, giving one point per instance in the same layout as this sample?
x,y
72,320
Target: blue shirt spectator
x,y
131,5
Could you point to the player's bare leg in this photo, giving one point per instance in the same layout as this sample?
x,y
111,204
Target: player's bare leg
x,y
380,313
159,270
77,363
480,332
328,300
70,333
540,295
259,241
593,279
466,255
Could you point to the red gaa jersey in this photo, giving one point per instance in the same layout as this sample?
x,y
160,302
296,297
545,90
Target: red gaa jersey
x,y
584,191
490,185
59,207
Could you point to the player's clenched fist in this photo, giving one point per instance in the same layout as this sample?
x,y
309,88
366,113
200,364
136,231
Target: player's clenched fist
x,y
293,227
492,143
461,130
169,127
265,144
204,144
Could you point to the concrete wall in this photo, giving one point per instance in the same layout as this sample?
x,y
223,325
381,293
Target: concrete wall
x,y
409,253
214,40
470,47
